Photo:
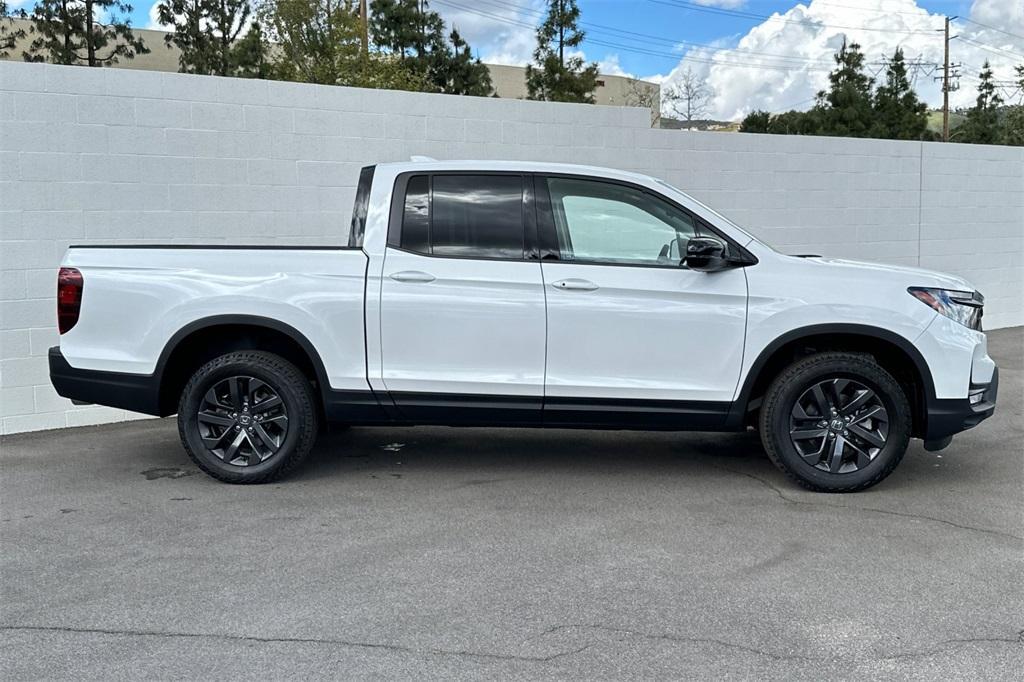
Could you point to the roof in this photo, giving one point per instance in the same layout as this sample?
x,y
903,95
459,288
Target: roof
x,y
425,164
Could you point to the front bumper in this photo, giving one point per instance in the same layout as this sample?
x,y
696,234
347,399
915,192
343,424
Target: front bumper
x,y
948,417
135,392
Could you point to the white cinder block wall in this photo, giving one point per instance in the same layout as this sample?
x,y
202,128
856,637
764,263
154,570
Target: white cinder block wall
x,y
108,156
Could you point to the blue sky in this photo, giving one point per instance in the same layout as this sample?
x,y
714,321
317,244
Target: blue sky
x,y
770,54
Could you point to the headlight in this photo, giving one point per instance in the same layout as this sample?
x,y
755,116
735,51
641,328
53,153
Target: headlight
x,y
963,306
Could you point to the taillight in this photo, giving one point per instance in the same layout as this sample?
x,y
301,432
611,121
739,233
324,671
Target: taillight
x,y
69,298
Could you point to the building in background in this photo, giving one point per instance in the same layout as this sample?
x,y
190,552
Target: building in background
x,y
509,81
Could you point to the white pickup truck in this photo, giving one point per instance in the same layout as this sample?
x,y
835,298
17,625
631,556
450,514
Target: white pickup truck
x,y
525,294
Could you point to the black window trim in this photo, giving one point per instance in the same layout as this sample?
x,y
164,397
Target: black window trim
x,y
548,237
530,220
357,228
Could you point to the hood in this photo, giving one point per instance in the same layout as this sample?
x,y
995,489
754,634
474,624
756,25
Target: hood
x,y
908,276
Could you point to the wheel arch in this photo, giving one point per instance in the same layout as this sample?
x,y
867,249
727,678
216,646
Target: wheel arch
x,y
203,339
893,352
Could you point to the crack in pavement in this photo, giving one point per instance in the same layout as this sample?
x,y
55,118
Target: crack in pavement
x,y
293,640
922,517
1019,639
937,649
682,639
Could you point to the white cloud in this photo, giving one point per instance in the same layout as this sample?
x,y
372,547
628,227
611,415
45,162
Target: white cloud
x,y
803,40
609,66
500,33
154,18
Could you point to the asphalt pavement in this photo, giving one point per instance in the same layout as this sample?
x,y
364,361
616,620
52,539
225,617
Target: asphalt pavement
x,y
399,553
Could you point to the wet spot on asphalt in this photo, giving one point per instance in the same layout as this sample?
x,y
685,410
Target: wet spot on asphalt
x,y
167,472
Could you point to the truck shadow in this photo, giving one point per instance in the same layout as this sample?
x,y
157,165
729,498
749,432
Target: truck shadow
x,y
387,451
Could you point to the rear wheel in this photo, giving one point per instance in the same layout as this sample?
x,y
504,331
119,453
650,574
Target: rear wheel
x,y
835,422
247,417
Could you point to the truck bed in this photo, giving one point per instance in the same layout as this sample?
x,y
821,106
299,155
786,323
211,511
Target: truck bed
x,y
136,297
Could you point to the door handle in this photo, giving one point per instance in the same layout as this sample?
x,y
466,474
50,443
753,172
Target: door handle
x,y
412,276
574,284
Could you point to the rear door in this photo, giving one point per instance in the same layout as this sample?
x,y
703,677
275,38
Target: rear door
x,y
633,335
462,300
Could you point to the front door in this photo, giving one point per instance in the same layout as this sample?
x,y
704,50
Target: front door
x,y
462,307
633,335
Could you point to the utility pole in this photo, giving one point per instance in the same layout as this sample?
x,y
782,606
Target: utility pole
x,y
945,84
365,20
949,73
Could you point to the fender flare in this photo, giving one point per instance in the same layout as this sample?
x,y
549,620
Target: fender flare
x,y
739,410
248,320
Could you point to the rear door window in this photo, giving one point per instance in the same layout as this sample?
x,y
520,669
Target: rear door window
x,y
466,216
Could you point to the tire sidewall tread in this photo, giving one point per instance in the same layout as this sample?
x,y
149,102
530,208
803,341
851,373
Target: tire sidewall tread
x,y
290,383
796,378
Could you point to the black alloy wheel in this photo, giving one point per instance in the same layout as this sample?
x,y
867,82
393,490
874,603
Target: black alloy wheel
x,y
243,421
839,425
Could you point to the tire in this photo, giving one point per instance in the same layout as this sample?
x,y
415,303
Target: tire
x,y
857,451
271,434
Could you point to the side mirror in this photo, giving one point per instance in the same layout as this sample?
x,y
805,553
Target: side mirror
x,y
706,254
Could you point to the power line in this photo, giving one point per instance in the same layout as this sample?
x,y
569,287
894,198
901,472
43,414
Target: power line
x,y
993,28
991,48
674,56
610,30
764,17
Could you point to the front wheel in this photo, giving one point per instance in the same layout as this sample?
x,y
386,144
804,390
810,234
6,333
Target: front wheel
x,y
247,417
835,422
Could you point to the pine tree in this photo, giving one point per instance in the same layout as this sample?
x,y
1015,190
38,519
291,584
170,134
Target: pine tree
x,y
457,72
411,31
554,76
982,124
406,28
209,33
250,54
68,32
846,108
9,36
899,114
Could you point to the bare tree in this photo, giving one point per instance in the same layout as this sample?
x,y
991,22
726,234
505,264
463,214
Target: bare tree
x,y
643,94
689,97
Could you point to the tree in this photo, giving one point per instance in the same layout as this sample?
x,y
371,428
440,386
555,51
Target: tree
x,y
455,71
9,36
250,54
211,35
756,122
319,41
554,76
899,114
787,123
411,31
407,28
642,94
69,32
1012,132
689,97
846,107
982,124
